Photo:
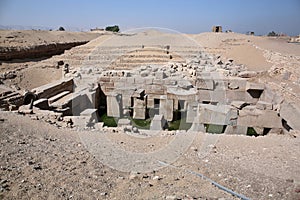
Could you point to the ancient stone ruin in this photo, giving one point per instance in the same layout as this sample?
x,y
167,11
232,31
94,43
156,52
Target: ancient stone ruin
x,y
204,93
217,29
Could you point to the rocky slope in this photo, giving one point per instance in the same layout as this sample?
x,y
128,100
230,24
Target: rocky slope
x,y
37,44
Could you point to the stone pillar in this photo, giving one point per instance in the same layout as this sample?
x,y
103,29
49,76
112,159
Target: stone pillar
x,y
114,106
166,109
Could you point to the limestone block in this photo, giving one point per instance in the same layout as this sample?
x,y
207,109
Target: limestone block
x,y
148,80
170,82
238,104
158,123
191,112
262,105
237,84
166,108
139,113
158,81
130,80
93,99
216,114
124,122
139,80
58,96
41,104
91,113
104,79
184,84
126,101
51,89
114,105
236,130
276,131
205,84
258,118
221,84
78,121
255,86
160,75
197,127
247,74
291,113
99,125
139,108
120,84
269,95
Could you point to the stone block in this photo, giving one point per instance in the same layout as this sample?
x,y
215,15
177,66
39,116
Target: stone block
x,y
262,105
78,121
124,122
91,113
114,105
290,112
238,104
139,108
247,74
198,127
139,81
170,82
148,80
237,84
158,123
191,112
130,80
205,84
64,111
166,109
236,130
157,82
104,79
255,86
41,104
58,96
269,95
258,118
51,89
217,114
160,75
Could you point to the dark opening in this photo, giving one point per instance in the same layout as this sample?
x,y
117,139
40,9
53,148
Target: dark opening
x,y
156,103
266,131
217,29
131,107
285,125
214,128
255,93
251,132
181,105
28,97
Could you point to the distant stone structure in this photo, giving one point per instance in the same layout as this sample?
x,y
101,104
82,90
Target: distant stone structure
x,y
202,91
97,29
217,29
250,33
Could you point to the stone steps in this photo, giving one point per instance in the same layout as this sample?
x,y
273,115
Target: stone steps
x,y
58,96
62,102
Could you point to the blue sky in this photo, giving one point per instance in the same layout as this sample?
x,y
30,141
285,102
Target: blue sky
x,y
189,16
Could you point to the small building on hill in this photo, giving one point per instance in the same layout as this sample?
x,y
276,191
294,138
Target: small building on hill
x,y
217,29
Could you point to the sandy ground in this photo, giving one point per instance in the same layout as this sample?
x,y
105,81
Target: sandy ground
x,y
40,161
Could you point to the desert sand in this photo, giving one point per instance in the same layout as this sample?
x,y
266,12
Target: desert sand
x,y
40,160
